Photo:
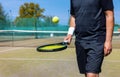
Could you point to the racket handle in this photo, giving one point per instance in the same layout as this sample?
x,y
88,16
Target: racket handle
x,y
66,42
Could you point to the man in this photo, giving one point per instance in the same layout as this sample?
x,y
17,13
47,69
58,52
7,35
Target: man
x,y
92,21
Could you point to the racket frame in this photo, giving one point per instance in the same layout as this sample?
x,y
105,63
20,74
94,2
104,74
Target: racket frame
x,y
53,50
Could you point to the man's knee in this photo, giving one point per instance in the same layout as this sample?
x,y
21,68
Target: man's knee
x,y
92,75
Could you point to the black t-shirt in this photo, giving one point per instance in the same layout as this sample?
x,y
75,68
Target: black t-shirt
x,y
90,18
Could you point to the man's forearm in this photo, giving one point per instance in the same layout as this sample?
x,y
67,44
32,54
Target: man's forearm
x,y
72,21
72,25
71,29
109,25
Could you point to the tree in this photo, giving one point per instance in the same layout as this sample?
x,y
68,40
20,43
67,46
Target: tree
x,y
3,17
29,14
29,10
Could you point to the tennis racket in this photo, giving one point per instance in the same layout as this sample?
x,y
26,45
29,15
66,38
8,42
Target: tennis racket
x,y
52,47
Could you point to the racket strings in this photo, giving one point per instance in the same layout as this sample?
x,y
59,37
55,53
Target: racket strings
x,y
52,47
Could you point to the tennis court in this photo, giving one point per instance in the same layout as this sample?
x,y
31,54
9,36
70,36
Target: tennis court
x,y
19,58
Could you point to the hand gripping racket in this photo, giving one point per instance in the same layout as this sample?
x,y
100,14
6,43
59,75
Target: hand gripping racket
x,y
53,47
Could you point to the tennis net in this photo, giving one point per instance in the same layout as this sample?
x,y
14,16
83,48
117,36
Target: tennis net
x,y
26,38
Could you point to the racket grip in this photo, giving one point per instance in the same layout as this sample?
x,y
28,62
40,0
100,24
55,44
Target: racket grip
x,y
66,42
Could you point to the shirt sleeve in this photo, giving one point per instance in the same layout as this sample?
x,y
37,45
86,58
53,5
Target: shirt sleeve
x,y
71,8
107,5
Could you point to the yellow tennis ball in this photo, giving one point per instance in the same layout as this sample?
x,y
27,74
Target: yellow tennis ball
x,y
55,19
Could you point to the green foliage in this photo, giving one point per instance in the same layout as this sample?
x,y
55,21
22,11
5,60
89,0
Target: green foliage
x,y
25,21
31,14
3,18
28,10
116,27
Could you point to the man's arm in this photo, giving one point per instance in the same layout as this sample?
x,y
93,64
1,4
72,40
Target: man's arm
x,y
72,21
109,31
71,29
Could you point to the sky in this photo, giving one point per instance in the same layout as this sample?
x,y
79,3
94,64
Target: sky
x,y
58,8
117,11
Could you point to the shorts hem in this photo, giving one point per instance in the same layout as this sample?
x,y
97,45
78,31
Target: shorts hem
x,y
90,72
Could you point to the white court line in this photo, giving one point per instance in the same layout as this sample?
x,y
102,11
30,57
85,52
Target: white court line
x,y
112,61
36,59
11,48
39,59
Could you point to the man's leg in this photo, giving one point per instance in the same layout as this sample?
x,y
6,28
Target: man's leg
x,y
91,75
89,57
95,56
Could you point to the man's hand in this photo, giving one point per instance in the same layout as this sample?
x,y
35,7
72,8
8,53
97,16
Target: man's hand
x,y
107,48
68,38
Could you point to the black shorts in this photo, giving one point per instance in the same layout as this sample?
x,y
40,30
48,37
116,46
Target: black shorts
x,y
89,56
